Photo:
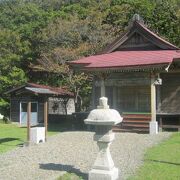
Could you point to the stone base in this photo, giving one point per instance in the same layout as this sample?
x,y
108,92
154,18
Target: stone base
x,y
153,127
96,174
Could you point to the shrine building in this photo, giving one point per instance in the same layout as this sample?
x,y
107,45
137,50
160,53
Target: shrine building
x,y
140,74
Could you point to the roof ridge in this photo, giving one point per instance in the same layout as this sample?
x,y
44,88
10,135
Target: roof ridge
x,y
156,35
57,90
138,25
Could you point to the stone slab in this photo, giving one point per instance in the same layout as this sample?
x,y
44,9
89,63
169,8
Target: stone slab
x,y
96,174
153,127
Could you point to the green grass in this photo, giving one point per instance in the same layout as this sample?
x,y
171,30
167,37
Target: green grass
x,y
70,176
161,162
12,136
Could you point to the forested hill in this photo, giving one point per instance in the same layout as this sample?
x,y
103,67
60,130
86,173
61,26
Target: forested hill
x,y
64,30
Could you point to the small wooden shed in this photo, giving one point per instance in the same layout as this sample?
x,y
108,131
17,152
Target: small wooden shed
x,y
38,95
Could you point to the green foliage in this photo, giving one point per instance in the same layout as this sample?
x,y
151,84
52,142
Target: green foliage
x,y
79,37
24,17
14,78
4,108
12,48
166,20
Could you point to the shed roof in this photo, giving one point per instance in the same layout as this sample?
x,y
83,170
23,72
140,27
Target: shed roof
x,y
40,90
43,90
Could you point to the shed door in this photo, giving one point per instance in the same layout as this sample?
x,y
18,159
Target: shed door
x,y
23,113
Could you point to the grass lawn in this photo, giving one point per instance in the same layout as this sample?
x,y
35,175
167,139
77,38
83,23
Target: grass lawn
x,y
11,135
161,162
70,176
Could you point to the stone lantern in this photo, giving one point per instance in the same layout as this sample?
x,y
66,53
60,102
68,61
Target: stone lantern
x,y
103,119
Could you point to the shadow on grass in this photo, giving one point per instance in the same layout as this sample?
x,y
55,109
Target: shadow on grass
x,y
62,167
166,162
4,140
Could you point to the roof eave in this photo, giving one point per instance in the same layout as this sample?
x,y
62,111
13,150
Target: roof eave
x,y
142,68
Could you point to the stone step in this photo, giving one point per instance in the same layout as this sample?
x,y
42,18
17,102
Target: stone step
x,y
135,125
139,117
138,123
135,121
134,130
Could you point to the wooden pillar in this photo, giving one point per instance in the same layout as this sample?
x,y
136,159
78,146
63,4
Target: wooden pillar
x,y
93,95
46,117
158,90
114,97
102,88
28,121
160,124
153,99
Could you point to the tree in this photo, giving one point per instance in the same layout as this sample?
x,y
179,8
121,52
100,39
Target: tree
x,y
78,83
12,51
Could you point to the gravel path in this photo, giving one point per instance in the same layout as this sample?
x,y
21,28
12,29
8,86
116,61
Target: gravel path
x,y
74,152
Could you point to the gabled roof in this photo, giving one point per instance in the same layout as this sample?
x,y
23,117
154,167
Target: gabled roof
x,y
128,59
138,49
43,90
143,31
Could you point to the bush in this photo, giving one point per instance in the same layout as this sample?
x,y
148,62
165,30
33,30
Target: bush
x,y
6,120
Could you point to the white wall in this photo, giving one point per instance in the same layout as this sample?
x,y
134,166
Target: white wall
x,y
56,106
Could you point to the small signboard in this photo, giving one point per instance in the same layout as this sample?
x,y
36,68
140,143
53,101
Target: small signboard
x,y
158,81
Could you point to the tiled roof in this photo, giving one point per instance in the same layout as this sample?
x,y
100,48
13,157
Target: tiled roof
x,y
40,90
123,59
43,89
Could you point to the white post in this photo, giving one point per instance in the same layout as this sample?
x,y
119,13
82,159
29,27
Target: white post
x,y
153,126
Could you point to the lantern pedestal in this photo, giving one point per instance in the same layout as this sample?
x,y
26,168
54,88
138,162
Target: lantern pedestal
x,y
95,174
103,167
